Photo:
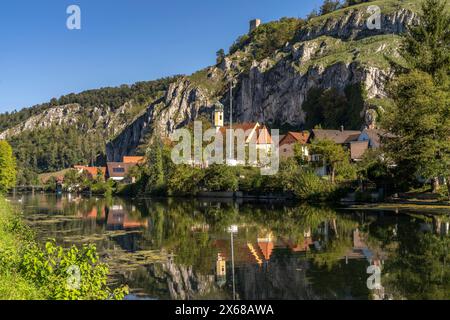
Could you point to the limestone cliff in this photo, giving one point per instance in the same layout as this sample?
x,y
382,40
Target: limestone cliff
x,y
331,51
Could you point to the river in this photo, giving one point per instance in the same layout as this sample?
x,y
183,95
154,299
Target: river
x,y
212,249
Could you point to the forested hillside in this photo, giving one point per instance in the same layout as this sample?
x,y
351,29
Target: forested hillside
x,y
74,128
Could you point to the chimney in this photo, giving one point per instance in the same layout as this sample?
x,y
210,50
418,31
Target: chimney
x,y
255,23
342,128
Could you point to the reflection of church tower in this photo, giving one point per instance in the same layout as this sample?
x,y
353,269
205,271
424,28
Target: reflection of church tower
x,y
266,245
218,115
221,270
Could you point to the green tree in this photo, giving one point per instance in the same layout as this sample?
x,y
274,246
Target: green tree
x,y
155,182
426,46
419,115
331,153
184,181
329,6
7,167
220,55
420,122
220,178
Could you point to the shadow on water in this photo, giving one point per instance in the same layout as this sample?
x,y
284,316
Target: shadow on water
x,y
185,249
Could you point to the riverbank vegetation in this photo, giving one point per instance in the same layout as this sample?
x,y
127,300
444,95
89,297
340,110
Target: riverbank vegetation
x,y
30,271
159,176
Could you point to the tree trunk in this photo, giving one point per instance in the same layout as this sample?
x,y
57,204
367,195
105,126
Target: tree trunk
x,y
333,174
448,187
435,185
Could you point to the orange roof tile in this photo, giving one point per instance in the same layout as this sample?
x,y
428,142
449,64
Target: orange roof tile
x,y
133,159
266,248
93,171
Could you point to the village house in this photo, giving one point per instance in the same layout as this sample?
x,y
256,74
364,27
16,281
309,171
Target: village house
x,y
93,172
288,142
254,133
342,137
118,171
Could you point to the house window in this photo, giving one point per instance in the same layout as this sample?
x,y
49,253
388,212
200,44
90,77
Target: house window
x,y
220,117
118,170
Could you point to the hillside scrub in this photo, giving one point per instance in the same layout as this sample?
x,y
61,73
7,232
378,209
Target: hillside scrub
x,y
31,272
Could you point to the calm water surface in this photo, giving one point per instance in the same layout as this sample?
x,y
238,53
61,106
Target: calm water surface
x,y
191,249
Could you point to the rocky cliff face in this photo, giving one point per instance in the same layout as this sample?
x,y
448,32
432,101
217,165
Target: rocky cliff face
x,y
103,118
182,104
331,52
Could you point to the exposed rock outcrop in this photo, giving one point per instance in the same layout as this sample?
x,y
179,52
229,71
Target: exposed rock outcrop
x,y
273,90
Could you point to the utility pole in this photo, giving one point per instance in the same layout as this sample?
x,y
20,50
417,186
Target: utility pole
x,y
231,118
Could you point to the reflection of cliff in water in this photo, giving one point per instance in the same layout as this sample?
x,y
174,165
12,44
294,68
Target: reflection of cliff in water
x,y
181,249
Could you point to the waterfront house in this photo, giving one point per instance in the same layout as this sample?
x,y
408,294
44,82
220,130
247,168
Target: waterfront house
x,y
374,137
342,137
118,171
288,142
93,172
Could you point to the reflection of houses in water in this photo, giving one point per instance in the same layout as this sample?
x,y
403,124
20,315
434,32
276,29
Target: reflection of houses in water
x,y
118,219
260,251
361,250
94,213
221,270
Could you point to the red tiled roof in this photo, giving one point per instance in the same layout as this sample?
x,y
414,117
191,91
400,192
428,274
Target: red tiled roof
x,y
338,136
243,126
262,133
92,171
293,137
263,136
357,149
266,248
133,159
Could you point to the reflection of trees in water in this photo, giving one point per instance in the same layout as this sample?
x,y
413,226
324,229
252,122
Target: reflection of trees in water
x,y
308,258
418,268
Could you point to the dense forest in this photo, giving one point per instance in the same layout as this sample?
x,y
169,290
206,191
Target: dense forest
x,y
114,97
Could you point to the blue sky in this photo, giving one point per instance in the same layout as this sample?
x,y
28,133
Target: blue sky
x,y
121,41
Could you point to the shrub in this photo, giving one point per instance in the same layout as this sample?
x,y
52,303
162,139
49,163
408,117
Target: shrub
x,y
28,271
73,274
184,181
220,178
308,186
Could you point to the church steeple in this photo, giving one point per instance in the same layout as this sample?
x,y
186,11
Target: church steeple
x,y
218,115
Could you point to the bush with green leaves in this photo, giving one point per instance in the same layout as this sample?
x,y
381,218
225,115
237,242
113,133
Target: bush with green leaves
x,y
72,274
220,178
184,181
28,271
308,186
7,167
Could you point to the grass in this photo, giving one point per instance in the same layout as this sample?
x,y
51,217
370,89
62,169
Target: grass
x,y
43,177
386,6
12,285
372,51
212,84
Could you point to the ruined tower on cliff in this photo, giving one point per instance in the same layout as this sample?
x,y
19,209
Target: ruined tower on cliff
x,y
255,23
